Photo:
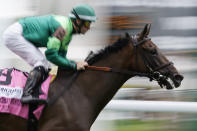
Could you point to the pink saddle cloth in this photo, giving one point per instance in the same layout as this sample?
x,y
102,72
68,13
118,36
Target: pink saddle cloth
x,y
12,83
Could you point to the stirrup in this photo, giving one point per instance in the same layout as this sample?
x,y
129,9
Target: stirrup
x,y
32,100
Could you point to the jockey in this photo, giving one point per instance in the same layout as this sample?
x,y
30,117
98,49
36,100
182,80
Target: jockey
x,y
53,32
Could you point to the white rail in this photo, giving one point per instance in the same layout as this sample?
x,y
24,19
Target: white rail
x,y
152,106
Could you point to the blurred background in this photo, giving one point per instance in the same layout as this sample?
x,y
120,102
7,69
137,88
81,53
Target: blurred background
x,y
174,30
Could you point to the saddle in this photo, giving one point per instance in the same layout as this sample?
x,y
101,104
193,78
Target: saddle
x,y
12,82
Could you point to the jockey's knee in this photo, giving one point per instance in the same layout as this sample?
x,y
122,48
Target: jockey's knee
x,y
6,39
43,63
9,40
43,71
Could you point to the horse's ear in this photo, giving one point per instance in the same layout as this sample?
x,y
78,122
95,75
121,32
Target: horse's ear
x,y
144,32
127,35
148,30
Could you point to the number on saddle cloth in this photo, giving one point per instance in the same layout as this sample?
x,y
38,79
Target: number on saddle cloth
x,y
7,75
12,82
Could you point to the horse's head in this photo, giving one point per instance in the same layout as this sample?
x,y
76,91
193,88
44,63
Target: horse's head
x,y
149,59
141,56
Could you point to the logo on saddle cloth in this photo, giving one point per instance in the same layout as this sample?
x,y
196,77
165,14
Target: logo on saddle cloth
x,y
12,82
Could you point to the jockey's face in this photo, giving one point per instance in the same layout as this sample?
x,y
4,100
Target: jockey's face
x,y
85,27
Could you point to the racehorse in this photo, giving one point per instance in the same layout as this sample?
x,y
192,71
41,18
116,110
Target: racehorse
x,y
78,97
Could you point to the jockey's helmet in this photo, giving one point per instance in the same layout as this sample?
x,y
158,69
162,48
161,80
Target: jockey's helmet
x,y
83,12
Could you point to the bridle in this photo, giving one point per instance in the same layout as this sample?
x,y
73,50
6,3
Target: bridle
x,y
152,73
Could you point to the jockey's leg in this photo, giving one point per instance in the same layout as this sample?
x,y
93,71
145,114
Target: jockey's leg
x,y
14,40
34,80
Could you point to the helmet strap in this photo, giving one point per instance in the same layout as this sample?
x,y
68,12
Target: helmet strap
x,y
78,30
79,26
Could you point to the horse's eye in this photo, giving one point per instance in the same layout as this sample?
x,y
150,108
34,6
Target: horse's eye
x,y
153,52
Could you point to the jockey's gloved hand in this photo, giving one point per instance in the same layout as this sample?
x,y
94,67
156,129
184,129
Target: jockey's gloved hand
x,y
81,65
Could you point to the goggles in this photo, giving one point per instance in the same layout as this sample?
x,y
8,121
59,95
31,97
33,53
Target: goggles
x,y
87,24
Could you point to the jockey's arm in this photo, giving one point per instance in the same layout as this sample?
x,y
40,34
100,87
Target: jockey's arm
x,y
57,57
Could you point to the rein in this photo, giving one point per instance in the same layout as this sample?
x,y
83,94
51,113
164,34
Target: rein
x,y
115,70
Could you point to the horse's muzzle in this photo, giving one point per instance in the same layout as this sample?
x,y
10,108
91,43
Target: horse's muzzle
x,y
177,78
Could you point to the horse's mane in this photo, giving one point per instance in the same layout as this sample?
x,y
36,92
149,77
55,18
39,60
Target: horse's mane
x,y
116,46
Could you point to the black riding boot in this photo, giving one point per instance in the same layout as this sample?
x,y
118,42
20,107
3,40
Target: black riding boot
x,y
34,80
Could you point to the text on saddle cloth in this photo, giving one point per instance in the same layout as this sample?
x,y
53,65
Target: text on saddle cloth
x,y
12,82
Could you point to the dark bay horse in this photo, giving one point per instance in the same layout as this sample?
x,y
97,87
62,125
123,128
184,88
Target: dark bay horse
x,y
79,103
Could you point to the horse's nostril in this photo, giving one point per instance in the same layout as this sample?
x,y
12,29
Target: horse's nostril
x,y
178,77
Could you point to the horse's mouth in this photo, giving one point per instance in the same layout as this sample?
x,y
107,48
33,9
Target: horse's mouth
x,y
174,81
177,79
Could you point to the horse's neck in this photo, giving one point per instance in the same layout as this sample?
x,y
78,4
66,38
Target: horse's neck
x,y
94,89
100,86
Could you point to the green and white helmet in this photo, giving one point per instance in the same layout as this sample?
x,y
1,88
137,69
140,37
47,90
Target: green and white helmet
x,y
84,12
